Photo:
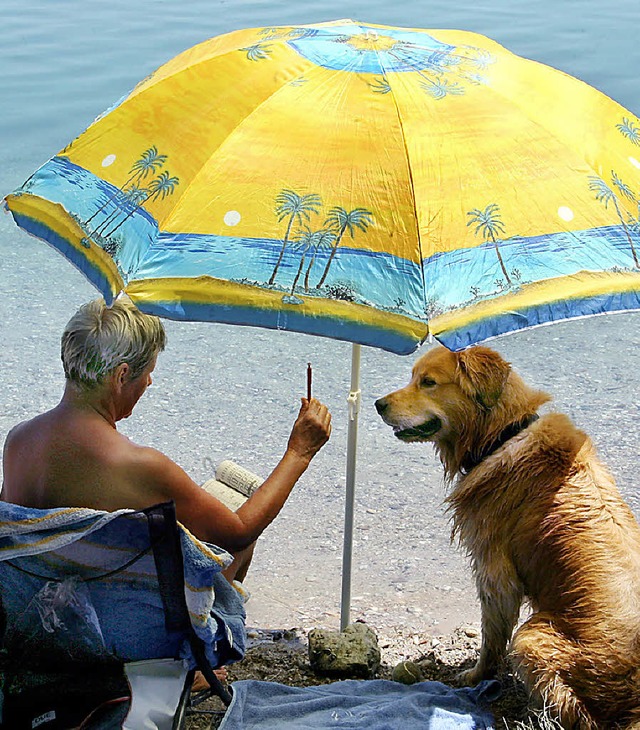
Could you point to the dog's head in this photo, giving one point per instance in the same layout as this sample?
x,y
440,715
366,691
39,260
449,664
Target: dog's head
x,y
458,400
445,387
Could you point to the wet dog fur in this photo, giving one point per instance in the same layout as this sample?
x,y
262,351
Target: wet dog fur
x,y
542,522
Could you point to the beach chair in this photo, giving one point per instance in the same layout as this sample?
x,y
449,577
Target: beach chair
x,y
105,616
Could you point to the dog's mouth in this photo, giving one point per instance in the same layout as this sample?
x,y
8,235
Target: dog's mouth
x,y
422,432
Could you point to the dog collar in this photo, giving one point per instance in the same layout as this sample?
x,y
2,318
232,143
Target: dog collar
x,y
471,461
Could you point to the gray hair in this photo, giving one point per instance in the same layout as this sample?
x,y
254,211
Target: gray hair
x,y
99,338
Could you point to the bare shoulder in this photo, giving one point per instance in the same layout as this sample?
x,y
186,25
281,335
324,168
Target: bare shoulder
x,y
11,438
161,479
23,439
22,431
147,463
11,448
158,471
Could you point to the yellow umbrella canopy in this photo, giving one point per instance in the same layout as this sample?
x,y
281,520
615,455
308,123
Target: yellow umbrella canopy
x,y
357,181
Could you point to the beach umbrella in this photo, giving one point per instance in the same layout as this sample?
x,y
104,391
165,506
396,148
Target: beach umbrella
x,y
354,181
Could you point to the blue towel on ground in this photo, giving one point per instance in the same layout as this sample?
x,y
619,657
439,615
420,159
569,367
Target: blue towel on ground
x,y
377,704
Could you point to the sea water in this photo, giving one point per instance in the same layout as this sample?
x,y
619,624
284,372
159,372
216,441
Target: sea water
x,y
232,392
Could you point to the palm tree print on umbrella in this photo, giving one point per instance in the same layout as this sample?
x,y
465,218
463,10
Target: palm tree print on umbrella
x,y
629,130
160,187
148,164
303,242
131,197
464,62
605,194
439,88
491,226
432,62
278,33
257,52
272,32
380,85
340,220
324,238
296,208
308,241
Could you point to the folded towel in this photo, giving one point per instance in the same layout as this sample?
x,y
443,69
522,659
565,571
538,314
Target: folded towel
x,y
25,531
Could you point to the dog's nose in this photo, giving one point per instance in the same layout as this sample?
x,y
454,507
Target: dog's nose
x,y
381,405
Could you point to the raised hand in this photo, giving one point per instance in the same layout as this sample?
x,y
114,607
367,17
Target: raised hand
x,y
311,430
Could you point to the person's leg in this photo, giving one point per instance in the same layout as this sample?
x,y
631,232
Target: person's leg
x,y
240,565
236,571
200,683
232,486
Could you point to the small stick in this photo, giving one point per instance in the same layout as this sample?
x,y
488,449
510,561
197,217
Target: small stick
x,y
308,381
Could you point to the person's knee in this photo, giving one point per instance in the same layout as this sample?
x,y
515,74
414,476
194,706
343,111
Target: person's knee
x,y
240,565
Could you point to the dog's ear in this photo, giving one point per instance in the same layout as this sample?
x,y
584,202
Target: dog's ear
x,y
482,374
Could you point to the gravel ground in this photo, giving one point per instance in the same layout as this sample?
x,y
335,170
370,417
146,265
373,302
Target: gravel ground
x,y
282,656
233,392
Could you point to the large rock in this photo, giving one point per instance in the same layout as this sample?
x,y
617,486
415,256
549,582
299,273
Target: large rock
x,y
353,652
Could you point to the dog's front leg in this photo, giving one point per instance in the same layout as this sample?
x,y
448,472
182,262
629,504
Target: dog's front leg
x,y
500,600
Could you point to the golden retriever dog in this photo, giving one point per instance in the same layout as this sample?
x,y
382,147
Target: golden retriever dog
x,y
543,522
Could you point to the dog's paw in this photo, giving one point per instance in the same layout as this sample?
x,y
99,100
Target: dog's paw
x,y
471,677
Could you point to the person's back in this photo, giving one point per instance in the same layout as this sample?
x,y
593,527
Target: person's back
x,y
73,455
65,457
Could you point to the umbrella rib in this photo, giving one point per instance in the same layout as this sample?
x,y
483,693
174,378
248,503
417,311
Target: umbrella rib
x,y
155,76
410,173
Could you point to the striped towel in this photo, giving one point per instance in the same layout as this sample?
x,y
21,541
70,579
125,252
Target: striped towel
x,y
110,551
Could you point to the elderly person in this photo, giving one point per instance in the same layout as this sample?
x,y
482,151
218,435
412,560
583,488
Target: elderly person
x,y
73,454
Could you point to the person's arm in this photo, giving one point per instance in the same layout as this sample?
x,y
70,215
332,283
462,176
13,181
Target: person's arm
x,y
7,465
209,519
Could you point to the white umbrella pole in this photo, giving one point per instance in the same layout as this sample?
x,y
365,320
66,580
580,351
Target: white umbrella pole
x,y
352,440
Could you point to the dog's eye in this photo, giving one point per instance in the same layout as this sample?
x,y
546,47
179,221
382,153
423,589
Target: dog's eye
x,y
427,382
